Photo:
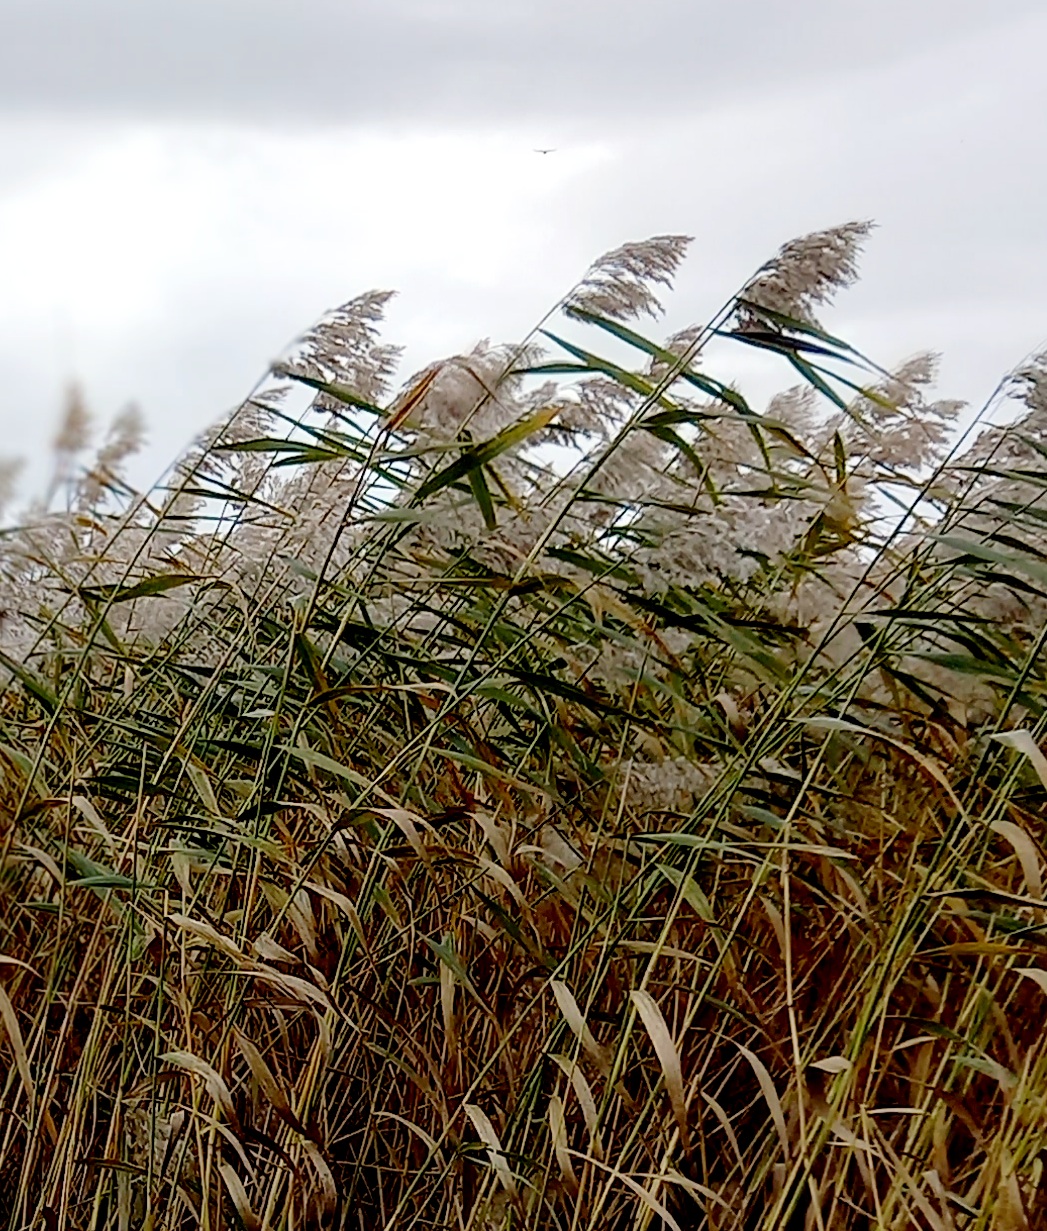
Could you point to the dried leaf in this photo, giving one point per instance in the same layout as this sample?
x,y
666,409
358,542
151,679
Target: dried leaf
x,y
270,950
832,1064
668,1056
264,1076
725,1124
1025,849
558,1132
328,1187
197,775
1023,742
205,932
485,1131
770,1095
645,1195
1039,977
238,1196
583,1093
573,1015
213,1081
14,1034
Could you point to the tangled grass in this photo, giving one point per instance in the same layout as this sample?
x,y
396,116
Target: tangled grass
x,y
557,795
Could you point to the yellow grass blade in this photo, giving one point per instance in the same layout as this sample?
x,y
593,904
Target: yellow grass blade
x,y
14,1034
573,1015
486,1132
770,1094
238,1196
558,1133
668,1057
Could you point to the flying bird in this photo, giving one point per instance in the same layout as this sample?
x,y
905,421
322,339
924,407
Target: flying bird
x,y
545,151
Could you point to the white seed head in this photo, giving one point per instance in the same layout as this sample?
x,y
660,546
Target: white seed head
x,y
619,284
343,348
808,271
74,430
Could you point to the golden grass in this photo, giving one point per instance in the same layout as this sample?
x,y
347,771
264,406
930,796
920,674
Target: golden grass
x,y
401,950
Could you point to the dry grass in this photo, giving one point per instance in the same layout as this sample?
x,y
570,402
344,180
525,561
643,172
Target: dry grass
x,y
350,900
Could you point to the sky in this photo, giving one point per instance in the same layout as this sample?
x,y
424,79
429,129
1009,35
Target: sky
x,y
185,187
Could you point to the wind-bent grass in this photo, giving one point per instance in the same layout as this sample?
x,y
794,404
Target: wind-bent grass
x,y
401,832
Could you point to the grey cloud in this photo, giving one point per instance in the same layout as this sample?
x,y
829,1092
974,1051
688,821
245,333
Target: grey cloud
x,y
751,122
376,60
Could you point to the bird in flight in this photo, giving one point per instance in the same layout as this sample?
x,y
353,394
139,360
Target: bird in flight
x,y
545,151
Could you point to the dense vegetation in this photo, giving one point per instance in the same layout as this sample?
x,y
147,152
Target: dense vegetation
x,y
557,795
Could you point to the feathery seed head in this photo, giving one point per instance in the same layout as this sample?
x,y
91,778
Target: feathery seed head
x,y
124,439
10,468
619,284
475,392
1029,382
74,430
683,342
126,436
343,348
808,271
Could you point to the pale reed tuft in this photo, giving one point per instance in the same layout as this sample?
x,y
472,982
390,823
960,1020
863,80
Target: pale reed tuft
x,y
619,284
808,271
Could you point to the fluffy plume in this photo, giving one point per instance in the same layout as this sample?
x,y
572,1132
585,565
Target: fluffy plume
x,y
474,392
1029,384
10,469
683,343
619,284
343,348
71,438
74,428
900,428
809,271
125,438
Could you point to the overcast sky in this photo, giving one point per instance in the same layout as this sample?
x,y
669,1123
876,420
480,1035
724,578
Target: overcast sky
x,y
186,185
